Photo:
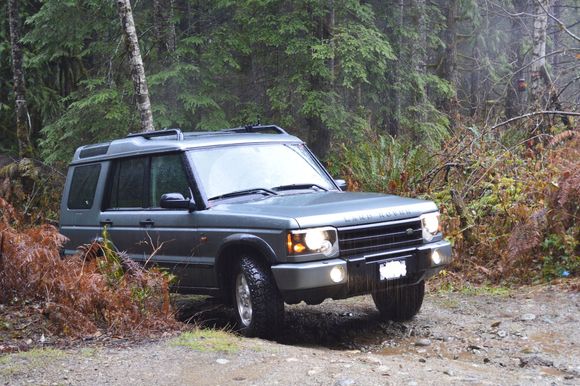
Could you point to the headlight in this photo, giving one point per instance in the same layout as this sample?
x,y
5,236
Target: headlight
x,y
430,225
313,241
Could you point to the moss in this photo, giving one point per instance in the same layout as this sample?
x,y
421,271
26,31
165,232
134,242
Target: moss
x,y
26,361
208,340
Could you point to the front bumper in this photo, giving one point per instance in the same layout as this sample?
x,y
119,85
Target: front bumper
x,y
312,281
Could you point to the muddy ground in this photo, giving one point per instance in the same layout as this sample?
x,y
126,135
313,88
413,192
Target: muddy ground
x,y
480,336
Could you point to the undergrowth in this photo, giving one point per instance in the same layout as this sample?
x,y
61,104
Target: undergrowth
x,y
94,290
509,206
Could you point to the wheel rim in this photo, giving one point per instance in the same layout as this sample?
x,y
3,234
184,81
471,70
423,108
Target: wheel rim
x,y
243,300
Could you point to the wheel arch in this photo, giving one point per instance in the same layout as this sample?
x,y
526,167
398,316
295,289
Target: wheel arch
x,y
230,251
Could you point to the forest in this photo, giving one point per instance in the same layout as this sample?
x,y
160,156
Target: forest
x,y
471,103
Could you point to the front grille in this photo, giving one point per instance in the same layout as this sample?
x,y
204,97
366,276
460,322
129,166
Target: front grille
x,y
361,239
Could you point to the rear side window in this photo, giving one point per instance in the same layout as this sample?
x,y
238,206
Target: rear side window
x,y
128,185
83,186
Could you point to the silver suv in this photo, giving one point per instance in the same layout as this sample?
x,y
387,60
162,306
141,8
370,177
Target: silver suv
x,y
250,215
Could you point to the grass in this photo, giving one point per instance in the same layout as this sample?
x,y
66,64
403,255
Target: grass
x,y
486,290
471,290
208,340
24,362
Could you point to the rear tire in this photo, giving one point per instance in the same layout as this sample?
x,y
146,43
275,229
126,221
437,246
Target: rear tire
x,y
399,304
258,305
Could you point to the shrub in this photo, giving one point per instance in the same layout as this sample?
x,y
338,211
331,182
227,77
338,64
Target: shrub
x,y
94,289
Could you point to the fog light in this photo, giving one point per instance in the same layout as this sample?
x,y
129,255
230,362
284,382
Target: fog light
x,y
337,274
436,258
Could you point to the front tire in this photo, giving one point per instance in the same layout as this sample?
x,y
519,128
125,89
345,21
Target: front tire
x,y
258,305
399,304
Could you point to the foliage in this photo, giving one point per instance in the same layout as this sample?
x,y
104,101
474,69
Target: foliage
x,y
382,164
516,219
33,187
94,289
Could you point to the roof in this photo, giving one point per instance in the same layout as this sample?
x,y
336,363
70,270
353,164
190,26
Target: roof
x,y
170,140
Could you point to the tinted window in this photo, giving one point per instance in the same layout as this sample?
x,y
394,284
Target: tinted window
x,y
167,176
83,186
128,187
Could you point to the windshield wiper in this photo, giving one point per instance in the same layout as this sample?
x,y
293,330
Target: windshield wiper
x,y
244,193
299,186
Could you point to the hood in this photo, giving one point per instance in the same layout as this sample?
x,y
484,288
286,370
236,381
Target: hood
x,y
332,208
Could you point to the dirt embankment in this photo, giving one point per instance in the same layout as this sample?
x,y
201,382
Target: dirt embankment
x,y
485,336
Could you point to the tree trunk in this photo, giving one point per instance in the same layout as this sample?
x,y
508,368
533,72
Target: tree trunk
x,y
318,131
449,67
514,96
22,118
164,28
556,41
136,63
418,58
539,53
395,126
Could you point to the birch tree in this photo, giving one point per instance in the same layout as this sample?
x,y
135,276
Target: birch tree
x,y
22,116
136,64
539,52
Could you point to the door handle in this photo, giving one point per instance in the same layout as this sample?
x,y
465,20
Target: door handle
x,y
147,223
106,222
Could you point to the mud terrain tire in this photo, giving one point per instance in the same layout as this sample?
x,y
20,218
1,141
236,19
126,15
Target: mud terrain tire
x,y
258,305
399,304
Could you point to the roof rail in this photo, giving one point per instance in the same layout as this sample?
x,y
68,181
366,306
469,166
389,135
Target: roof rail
x,y
158,133
256,129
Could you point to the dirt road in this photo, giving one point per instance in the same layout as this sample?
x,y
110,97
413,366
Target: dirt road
x,y
486,336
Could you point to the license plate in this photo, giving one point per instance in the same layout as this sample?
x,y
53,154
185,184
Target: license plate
x,y
393,270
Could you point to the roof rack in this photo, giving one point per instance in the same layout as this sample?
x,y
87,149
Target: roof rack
x,y
158,133
255,129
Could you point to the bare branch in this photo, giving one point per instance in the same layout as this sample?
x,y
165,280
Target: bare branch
x,y
562,26
533,114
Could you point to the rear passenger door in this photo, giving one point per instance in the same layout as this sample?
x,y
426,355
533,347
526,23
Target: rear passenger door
x,y
137,224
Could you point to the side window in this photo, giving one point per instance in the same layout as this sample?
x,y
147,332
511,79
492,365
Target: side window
x,y
128,184
83,186
167,176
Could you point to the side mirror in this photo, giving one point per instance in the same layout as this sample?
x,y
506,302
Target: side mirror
x,y
176,201
341,184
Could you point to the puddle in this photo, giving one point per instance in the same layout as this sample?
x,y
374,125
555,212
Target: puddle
x,y
551,371
550,342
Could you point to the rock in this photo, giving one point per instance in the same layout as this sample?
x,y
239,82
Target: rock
x,y
534,361
495,324
344,382
422,360
384,370
292,360
502,333
222,361
423,342
451,373
313,371
527,317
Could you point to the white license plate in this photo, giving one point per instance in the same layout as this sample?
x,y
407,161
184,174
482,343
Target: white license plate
x,y
393,270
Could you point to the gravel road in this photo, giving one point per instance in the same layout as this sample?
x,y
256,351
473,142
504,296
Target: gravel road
x,y
485,336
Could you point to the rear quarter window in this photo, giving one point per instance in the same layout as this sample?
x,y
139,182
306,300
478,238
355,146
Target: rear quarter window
x,y
83,186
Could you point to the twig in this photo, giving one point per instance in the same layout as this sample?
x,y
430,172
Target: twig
x,y
549,112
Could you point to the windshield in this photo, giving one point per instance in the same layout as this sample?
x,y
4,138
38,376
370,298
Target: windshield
x,y
237,168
